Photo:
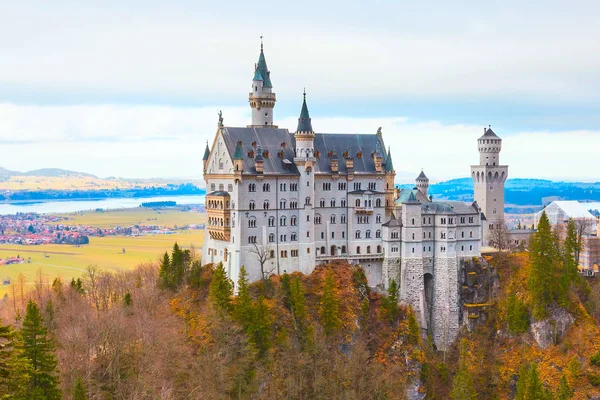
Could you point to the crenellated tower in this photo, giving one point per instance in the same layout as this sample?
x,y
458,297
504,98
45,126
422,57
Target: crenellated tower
x,y
422,183
488,181
262,98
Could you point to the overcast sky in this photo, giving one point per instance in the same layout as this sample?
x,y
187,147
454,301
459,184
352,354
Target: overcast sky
x,y
132,88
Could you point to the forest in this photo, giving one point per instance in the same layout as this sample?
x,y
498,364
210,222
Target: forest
x,y
175,330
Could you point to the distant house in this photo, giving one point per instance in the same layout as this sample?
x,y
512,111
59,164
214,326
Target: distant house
x,y
559,212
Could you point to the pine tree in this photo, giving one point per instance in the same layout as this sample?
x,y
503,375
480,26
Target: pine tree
x,y
545,267
38,349
220,290
79,392
259,328
571,248
390,303
463,387
530,386
564,391
329,306
14,370
243,306
164,273
517,315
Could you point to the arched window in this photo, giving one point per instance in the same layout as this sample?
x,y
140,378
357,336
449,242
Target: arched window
x,y
357,249
271,237
332,219
378,203
252,187
378,233
343,249
343,219
322,249
282,204
413,236
266,205
357,235
282,221
368,234
322,203
378,249
357,202
252,205
368,249
293,221
307,201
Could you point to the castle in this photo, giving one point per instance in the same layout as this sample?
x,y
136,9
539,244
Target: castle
x,y
280,201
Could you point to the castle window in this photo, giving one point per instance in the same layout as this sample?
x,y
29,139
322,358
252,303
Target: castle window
x,y
282,221
322,203
282,187
283,253
333,235
293,187
368,234
462,234
378,218
308,250
266,187
357,235
443,235
471,247
308,218
378,249
252,187
252,223
221,187
307,201
343,202
358,250
317,219
332,202
429,234
343,235
471,234
378,233
322,249
413,221
322,235
332,219
470,220
357,202
343,219
307,234
282,204
413,236
212,187
294,253
293,221
271,221
252,205
283,238
378,203
368,249
294,237
462,248
266,205
343,249
271,237
413,250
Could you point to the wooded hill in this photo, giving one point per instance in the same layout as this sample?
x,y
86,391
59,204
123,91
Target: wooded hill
x,y
174,330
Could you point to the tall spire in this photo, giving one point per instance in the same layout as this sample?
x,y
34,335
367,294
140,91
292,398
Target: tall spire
x,y
261,67
389,165
304,123
206,152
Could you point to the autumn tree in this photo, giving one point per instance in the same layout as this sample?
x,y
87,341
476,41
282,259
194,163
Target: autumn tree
x,y
38,350
221,289
329,306
463,387
263,254
499,236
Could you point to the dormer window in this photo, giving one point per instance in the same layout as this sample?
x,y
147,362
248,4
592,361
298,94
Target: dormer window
x,y
359,155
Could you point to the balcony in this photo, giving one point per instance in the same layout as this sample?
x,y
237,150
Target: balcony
x,y
351,257
363,210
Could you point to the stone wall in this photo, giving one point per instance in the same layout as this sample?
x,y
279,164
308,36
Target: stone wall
x,y
445,310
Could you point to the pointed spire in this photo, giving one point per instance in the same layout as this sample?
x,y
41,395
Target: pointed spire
x,y
304,123
206,152
239,154
261,68
389,165
422,176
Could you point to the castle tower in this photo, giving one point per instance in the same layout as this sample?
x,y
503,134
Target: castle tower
x,y
262,99
390,177
305,161
488,179
422,183
205,159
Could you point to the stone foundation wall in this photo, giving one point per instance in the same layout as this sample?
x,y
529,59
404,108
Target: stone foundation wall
x,y
391,270
445,313
412,287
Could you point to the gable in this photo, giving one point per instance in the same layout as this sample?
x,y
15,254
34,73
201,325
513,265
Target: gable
x,y
219,161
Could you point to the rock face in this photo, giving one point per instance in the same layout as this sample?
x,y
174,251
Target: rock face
x,y
478,285
551,330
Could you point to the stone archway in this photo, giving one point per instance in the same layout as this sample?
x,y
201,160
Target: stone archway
x,y
428,296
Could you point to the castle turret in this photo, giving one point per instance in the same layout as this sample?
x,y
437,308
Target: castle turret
x,y
205,157
305,136
488,179
422,183
262,99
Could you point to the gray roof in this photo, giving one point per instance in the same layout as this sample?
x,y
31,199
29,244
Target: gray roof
x,y
405,194
268,139
219,193
422,176
488,133
351,143
394,222
448,207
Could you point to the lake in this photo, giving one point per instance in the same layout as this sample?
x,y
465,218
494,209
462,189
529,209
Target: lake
x,y
67,206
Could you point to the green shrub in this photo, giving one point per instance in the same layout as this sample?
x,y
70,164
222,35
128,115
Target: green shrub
x,y
594,379
595,359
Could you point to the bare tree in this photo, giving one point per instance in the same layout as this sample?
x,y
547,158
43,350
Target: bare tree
x,y
499,236
263,254
582,226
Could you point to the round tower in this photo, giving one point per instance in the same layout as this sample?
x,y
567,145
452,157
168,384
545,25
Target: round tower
x,y
422,183
261,98
489,145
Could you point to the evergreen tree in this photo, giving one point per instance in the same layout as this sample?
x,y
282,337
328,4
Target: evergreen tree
x,y
243,306
390,303
564,391
77,285
329,306
38,349
79,392
413,327
572,247
164,273
545,267
463,387
530,386
517,315
298,303
259,328
220,290
14,370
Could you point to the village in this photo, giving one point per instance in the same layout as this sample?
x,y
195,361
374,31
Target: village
x,y
39,229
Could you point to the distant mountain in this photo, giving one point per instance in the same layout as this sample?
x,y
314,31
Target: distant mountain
x,y
47,172
519,191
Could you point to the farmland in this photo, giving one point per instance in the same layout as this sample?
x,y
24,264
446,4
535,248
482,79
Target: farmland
x,y
67,261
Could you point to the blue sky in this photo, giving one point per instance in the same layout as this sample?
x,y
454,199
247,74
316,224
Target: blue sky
x,y
119,88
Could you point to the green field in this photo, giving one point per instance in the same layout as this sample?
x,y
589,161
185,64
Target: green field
x,y
135,216
67,261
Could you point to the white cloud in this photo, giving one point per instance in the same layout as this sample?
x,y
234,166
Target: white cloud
x,y
153,141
